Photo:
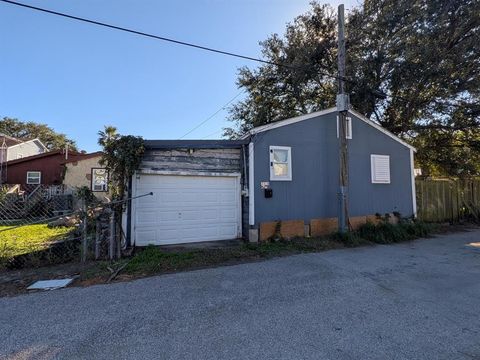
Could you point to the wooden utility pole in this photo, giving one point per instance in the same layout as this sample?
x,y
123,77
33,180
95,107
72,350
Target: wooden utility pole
x,y
343,104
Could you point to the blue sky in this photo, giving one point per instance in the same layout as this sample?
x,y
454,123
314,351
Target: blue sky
x,y
77,77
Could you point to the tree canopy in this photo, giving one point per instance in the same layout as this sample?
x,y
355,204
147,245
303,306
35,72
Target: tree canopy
x,y
31,130
412,66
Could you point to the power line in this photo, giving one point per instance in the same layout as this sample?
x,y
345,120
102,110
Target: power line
x,y
192,45
141,33
163,38
174,41
214,133
183,43
213,115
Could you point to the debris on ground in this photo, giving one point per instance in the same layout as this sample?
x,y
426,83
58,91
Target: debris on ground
x,y
50,284
66,221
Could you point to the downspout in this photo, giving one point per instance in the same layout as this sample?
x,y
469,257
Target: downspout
x,y
245,180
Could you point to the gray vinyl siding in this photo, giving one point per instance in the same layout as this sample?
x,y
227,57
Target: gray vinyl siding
x,y
24,150
312,193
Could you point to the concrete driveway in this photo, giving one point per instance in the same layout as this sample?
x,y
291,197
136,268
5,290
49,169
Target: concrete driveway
x,y
417,300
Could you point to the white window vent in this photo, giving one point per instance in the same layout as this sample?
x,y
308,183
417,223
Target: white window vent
x,y
380,169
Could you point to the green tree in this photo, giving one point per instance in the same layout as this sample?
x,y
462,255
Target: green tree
x,y
412,66
31,130
108,135
122,155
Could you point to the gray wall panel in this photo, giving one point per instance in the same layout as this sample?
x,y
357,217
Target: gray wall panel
x,y
312,193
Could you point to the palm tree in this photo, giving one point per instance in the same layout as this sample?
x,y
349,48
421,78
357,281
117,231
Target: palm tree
x,y
107,135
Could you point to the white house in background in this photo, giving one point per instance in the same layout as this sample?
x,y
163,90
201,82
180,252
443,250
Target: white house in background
x,y
13,149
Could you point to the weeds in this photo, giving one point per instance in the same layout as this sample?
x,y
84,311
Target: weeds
x,y
386,233
153,259
349,239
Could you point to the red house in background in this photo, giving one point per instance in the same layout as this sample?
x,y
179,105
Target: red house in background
x,y
45,169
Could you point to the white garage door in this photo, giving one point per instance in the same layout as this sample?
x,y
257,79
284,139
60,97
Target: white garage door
x,y
186,209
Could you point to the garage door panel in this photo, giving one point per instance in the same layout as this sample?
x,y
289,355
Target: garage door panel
x,y
228,214
166,215
168,197
143,237
228,231
146,216
186,209
166,236
199,215
195,197
226,197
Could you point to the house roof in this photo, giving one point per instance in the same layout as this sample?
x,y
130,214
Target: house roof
x,y
289,121
36,140
194,144
85,157
42,155
9,141
296,119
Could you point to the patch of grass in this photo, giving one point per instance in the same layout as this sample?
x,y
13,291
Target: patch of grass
x,y
152,259
29,238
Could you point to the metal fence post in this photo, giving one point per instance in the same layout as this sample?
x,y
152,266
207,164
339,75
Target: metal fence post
x,y
118,238
98,233
111,247
84,232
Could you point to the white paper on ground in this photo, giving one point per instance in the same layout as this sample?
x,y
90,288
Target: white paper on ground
x,y
50,284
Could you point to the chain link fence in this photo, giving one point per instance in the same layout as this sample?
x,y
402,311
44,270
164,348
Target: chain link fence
x,y
47,225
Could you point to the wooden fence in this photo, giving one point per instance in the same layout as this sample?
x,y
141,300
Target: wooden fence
x,y
447,199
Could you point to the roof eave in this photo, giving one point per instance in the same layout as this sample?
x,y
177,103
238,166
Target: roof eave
x,y
296,119
193,144
382,129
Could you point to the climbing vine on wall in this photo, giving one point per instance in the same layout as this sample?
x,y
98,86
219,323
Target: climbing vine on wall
x,y
122,155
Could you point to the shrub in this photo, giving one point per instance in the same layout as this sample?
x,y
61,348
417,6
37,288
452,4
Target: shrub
x,y
386,233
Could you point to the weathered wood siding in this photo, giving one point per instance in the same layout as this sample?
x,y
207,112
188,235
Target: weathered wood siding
x,y
201,160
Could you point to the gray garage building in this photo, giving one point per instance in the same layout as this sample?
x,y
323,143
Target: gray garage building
x,y
280,177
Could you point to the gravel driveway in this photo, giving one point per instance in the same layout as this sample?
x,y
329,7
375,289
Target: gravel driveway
x,y
416,300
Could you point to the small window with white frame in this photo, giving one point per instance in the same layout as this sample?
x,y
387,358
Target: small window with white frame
x,y
280,163
34,177
380,167
348,129
99,180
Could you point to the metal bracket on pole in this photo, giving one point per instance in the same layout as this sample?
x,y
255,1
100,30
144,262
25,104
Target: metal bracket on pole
x,y
343,102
